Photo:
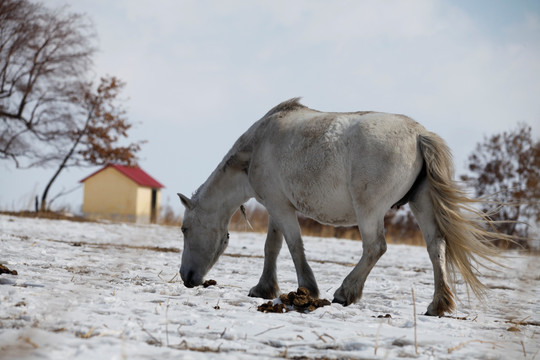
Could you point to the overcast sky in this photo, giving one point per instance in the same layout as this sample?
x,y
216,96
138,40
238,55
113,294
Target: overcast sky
x,y
199,73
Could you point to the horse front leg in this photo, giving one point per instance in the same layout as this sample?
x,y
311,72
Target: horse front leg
x,y
268,288
288,222
285,222
374,246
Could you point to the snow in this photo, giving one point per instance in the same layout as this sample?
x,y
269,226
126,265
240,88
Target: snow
x,y
111,291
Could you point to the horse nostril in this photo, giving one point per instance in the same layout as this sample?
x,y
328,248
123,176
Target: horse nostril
x,y
188,281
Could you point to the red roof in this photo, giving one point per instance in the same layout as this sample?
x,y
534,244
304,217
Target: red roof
x,y
134,173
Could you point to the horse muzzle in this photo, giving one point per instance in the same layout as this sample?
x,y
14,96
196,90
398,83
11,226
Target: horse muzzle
x,y
190,278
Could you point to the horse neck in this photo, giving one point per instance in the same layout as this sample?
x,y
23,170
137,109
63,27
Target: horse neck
x,y
224,192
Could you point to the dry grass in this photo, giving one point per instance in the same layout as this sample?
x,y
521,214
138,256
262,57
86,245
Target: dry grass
x,y
401,227
404,231
46,215
169,217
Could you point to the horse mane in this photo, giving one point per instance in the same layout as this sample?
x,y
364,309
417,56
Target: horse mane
x,y
286,106
238,155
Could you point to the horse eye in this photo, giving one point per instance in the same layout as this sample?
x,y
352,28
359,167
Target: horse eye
x,y
184,230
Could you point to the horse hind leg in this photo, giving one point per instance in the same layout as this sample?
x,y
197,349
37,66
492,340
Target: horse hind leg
x,y
268,288
374,246
422,208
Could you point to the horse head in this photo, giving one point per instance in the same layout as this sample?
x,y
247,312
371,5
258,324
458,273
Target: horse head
x,y
205,239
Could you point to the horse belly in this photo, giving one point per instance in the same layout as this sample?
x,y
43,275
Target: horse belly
x,y
312,161
327,204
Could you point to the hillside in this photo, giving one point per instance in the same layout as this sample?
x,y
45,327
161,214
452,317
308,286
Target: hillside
x,y
88,290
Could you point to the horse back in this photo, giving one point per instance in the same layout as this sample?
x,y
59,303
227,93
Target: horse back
x,y
328,164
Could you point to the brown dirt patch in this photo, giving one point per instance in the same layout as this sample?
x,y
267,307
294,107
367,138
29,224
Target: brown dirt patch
x,y
5,270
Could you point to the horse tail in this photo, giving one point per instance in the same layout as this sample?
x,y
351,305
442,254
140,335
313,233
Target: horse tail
x,y
462,227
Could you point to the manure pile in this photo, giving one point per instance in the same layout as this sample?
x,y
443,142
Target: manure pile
x,y
300,301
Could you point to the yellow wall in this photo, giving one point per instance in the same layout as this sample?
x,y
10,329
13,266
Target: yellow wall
x,y
144,201
158,202
111,194
144,198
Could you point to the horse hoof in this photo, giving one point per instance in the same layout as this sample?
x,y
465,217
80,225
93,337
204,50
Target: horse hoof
x,y
314,293
434,315
264,294
431,313
343,297
433,310
339,301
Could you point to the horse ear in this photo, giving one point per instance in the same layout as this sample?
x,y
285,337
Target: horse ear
x,y
186,201
239,161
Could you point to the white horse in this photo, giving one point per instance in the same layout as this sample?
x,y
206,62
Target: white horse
x,y
339,169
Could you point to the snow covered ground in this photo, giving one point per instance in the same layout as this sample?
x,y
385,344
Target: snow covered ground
x,y
111,291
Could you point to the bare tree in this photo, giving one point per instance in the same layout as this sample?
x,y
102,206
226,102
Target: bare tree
x,y
51,115
95,132
506,169
44,56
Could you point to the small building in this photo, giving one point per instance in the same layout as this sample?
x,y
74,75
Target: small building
x,y
122,193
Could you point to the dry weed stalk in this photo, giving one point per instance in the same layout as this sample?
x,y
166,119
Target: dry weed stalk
x,y
167,322
87,335
377,337
321,337
29,341
414,314
154,341
270,329
459,346
185,346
